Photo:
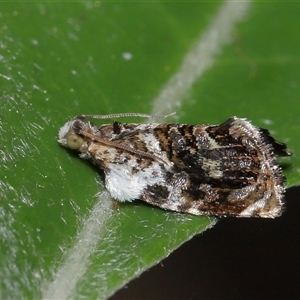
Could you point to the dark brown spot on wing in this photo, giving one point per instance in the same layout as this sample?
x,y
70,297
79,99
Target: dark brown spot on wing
x,y
156,194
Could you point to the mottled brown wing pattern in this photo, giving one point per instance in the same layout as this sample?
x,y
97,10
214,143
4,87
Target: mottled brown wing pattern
x,y
226,170
221,170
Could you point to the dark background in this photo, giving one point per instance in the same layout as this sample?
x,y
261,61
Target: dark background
x,y
237,259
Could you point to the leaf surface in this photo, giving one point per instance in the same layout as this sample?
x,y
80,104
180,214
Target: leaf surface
x,y
59,60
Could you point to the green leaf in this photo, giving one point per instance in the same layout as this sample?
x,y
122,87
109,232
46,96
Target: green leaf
x,y
59,60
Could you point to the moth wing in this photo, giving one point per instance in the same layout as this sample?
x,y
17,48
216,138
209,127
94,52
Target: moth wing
x,y
251,201
238,178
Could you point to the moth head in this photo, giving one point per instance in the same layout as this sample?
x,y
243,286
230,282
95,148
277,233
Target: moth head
x,y
68,138
74,141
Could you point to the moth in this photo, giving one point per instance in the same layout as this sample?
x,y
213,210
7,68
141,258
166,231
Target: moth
x,y
214,170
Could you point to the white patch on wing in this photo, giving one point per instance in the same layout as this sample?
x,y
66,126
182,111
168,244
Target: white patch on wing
x,y
256,206
151,142
241,194
125,185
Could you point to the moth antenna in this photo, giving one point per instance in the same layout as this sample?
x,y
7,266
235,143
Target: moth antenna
x,y
120,146
122,115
